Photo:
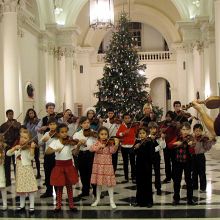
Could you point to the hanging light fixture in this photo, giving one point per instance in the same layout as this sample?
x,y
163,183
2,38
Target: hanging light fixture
x,y
57,7
101,14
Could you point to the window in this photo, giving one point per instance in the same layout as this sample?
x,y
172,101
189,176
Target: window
x,y
135,30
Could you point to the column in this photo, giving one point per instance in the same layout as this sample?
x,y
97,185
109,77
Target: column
x,y
50,76
69,52
198,57
10,56
217,41
61,79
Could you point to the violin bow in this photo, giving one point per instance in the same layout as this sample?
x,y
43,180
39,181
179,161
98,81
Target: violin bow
x,y
12,123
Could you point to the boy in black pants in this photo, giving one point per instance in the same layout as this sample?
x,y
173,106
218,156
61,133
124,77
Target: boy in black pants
x,y
49,160
202,145
183,162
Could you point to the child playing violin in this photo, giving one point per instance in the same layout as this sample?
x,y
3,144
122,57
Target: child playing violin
x,y
87,138
2,172
127,132
168,127
49,160
102,169
24,154
202,145
183,162
144,163
64,173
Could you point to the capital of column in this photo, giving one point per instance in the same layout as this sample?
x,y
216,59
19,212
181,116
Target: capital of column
x,y
9,5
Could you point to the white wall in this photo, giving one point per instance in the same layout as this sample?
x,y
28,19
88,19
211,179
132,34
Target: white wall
x,y
29,64
158,93
152,40
2,107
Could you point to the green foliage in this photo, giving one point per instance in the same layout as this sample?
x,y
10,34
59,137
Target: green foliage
x,y
122,87
158,112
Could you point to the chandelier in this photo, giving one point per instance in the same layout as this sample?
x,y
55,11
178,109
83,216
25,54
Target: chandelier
x,y
101,14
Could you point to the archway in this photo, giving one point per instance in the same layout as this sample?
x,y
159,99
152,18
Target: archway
x,y
161,94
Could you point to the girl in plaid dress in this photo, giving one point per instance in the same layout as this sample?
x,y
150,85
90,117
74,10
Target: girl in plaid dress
x,y
102,170
25,179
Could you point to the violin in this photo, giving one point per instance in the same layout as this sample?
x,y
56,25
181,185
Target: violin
x,y
52,134
133,124
94,121
25,146
211,102
109,142
114,120
154,136
69,141
187,139
90,133
72,119
202,138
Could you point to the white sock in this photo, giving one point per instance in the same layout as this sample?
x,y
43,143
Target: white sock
x,y
4,197
98,195
31,198
22,200
111,197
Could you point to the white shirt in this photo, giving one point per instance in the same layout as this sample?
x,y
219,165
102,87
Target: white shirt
x,y
47,143
26,156
113,128
89,140
65,154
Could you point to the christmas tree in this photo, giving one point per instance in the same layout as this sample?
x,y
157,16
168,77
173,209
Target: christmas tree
x,y
122,87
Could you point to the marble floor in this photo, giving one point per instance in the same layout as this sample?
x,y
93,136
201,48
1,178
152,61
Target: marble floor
x,y
124,195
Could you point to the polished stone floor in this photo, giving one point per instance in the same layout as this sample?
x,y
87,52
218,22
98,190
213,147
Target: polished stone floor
x,y
208,203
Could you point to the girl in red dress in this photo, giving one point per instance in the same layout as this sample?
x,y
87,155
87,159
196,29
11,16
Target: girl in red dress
x,y
64,173
102,170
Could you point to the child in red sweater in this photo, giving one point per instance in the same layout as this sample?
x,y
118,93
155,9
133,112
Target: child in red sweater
x,y
127,132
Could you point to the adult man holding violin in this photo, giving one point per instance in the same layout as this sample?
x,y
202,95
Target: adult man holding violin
x,y
179,115
42,125
10,130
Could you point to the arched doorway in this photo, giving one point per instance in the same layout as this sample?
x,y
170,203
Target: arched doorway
x,y
161,94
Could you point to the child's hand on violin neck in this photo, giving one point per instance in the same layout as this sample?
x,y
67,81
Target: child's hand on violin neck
x,y
178,143
116,141
136,146
17,147
82,142
33,145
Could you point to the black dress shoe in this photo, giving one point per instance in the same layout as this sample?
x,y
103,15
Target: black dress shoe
x,y
38,176
166,180
191,202
20,209
149,205
73,209
31,211
83,194
46,195
124,181
56,210
135,204
175,202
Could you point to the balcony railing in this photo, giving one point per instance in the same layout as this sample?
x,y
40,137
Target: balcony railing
x,y
156,56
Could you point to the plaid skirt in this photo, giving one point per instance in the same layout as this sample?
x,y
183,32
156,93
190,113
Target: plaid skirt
x,y
64,173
